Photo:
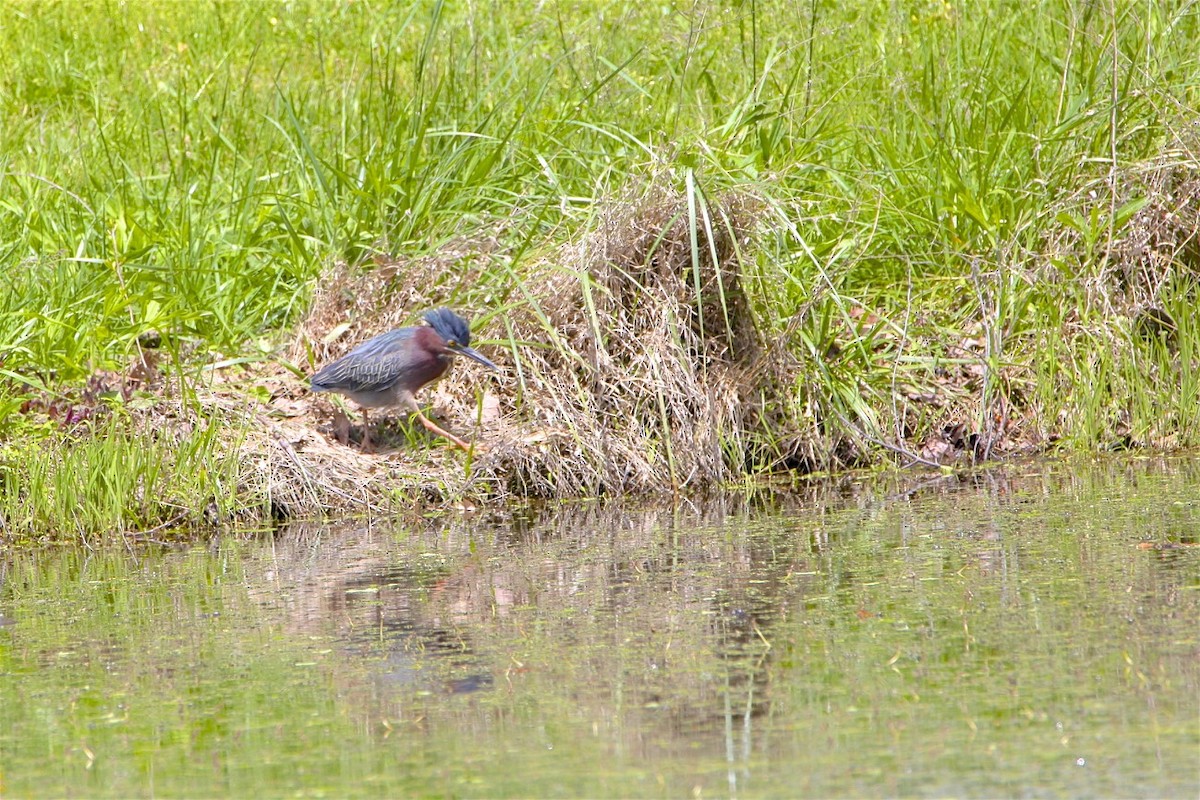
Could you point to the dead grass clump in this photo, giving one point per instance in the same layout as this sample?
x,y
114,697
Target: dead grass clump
x,y
1160,242
632,364
639,366
1154,220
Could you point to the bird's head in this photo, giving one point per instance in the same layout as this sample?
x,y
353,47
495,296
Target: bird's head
x,y
456,334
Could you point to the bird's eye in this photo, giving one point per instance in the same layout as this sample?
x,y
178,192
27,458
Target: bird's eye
x,y
451,343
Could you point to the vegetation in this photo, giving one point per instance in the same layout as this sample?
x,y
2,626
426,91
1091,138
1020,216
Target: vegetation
x,y
912,232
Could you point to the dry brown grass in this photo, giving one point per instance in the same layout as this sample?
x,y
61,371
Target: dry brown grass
x,y
1162,241
1158,245
632,364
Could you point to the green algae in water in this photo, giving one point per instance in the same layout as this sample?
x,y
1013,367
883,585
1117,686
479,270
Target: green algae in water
x,y
1032,636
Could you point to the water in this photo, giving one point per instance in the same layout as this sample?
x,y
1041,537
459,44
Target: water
x,y
1028,635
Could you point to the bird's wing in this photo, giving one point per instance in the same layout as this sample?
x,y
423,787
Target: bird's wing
x,y
384,344
373,366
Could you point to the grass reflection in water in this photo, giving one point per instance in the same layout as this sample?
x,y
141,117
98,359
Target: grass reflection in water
x,y
1005,635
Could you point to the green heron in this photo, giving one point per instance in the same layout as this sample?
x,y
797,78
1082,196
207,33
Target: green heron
x,y
389,369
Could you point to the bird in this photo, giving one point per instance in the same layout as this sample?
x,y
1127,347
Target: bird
x,y
389,369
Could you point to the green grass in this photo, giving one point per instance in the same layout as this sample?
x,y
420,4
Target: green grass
x,y
117,476
189,171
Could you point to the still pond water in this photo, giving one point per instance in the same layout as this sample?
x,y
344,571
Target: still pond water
x,y
1033,633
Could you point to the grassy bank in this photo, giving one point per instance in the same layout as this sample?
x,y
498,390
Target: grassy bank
x,y
706,242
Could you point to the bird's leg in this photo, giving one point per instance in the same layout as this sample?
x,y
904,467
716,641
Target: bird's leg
x,y
432,426
366,440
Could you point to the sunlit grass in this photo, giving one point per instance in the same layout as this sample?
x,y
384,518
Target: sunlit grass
x,y
188,172
116,476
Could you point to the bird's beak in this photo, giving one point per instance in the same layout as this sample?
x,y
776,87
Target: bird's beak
x,y
474,355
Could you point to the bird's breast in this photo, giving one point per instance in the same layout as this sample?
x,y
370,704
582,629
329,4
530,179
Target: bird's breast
x,y
425,371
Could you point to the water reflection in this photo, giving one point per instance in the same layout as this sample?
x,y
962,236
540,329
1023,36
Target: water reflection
x,y
660,620
1001,633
